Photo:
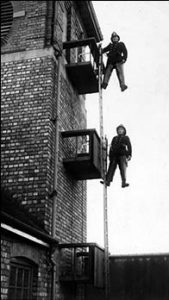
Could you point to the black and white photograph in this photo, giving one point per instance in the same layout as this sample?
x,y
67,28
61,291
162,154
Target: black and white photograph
x,y
84,150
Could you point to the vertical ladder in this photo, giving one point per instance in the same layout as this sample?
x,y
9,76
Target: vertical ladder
x,y
103,150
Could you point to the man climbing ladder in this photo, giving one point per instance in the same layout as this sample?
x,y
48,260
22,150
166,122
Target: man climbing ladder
x,y
120,153
117,56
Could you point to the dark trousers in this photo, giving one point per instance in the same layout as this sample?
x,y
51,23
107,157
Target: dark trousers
x,y
119,72
121,161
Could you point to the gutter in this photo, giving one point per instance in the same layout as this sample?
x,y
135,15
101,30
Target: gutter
x,y
24,235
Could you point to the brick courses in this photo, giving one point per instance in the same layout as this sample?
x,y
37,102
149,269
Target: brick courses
x,y
27,130
28,134
28,30
29,99
11,247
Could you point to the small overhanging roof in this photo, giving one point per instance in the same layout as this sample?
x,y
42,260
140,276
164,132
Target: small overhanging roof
x,y
89,18
16,216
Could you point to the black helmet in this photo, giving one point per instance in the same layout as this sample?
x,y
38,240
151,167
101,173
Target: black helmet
x,y
114,34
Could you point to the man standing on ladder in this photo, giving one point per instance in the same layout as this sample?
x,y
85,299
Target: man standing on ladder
x,y
117,56
119,154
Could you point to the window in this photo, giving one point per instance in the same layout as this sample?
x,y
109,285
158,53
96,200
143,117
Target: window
x,y
23,280
6,20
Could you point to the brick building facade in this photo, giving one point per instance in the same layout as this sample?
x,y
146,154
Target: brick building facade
x,y
43,215
43,205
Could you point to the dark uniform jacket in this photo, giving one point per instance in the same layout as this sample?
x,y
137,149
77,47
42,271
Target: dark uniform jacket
x,y
120,146
117,52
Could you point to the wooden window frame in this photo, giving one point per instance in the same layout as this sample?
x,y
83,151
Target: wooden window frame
x,y
18,282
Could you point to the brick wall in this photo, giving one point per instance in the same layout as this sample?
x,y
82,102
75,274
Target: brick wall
x,y
13,248
29,26
27,132
5,268
71,206
29,100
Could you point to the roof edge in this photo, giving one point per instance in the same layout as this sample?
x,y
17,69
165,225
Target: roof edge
x,y
95,19
14,222
90,21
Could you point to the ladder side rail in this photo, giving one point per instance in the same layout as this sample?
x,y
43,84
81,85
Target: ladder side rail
x,y
103,172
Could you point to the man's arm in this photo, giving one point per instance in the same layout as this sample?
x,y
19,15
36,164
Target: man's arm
x,y
124,51
111,151
106,49
129,147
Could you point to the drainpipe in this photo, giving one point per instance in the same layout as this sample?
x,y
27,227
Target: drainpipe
x,y
56,121
55,181
56,97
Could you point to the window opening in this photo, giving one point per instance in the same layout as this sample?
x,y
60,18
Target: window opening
x,y
22,281
6,20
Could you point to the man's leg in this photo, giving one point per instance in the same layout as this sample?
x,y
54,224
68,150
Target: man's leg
x,y
111,171
120,76
107,75
122,166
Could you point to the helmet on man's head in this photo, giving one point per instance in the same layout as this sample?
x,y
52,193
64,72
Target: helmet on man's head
x,y
121,126
114,34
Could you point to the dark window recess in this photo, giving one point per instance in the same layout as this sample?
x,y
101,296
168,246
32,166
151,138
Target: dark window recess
x,y
6,20
22,281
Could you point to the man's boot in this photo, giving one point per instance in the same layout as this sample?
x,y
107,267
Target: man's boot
x,y
124,184
123,87
107,183
104,85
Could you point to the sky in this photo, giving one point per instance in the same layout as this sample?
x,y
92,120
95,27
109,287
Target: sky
x,y
138,216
